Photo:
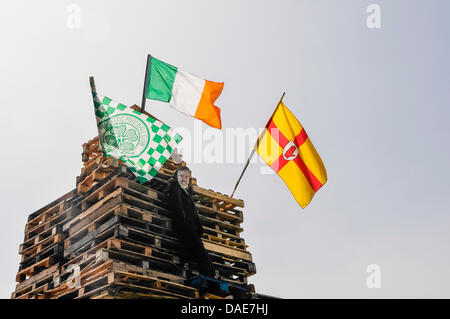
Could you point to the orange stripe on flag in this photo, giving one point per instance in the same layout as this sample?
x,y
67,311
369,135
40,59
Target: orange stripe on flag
x,y
206,110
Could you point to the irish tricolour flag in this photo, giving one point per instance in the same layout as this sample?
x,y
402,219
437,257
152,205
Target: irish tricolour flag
x,y
185,92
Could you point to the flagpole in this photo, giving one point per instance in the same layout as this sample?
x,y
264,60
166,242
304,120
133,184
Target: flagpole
x,y
255,146
92,83
146,82
94,93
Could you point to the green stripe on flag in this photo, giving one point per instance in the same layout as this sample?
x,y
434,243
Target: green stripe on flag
x,y
160,80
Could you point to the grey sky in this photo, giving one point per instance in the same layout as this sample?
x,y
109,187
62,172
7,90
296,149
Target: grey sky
x,y
375,103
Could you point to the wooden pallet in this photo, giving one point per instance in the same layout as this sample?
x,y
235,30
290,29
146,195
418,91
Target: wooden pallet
x,y
116,244
124,246
233,219
115,187
77,242
228,238
105,190
50,227
34,269
90,278
159,246
156,245
36,287
35,239
97,279
146,216
41,246
150,238
226,250
36,281
97,174
144,261
242,265
94,257
55,251
162,285
47,212
220,225
156,207
120,233
219,201
223,222
230,274
130,291
91,149
108,219
143,249
220,288
92,155
38,293
47,209
226,242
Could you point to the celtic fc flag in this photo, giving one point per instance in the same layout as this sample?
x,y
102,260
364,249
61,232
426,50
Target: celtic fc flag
x,y
143,143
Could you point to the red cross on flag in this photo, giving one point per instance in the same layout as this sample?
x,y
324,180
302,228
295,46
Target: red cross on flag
x,y
287,149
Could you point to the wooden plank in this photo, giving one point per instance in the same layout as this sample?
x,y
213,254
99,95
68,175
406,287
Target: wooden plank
x,y
74,242
69,195
123,290
34,294
41,245
95,213
140,250
158,283
90,255
215,195
69,226
222,215
47,262
126,183
97,174
55,251
225,242
136,202
141,260
221,225
45,273
34,238
55,221
227,251
55,210
230,236
145,215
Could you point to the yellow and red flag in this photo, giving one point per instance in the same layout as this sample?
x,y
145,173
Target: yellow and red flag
x,y
287,149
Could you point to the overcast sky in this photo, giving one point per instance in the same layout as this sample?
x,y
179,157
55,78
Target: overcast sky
x,y
374,101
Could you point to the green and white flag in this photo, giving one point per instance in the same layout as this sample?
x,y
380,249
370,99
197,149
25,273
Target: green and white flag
x,y
143,143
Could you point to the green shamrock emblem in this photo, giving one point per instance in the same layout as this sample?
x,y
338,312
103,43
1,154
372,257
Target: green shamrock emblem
x,y
118,136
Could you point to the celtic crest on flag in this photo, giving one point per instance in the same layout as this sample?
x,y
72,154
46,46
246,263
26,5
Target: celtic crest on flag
x,y
143,143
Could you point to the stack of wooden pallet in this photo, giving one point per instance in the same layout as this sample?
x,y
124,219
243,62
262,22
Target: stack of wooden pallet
x,y
112,237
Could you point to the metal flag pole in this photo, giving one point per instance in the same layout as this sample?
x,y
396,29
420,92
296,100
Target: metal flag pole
x,y
255,146
146,82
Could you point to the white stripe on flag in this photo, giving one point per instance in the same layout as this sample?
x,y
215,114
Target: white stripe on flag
x,y
186,92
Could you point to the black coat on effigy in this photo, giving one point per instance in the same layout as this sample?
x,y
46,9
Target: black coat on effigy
x,y
186,218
